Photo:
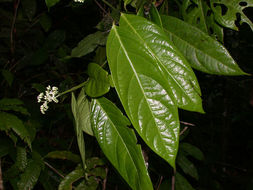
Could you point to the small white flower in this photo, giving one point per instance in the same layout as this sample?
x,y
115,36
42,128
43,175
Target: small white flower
x,y
39,97
50,95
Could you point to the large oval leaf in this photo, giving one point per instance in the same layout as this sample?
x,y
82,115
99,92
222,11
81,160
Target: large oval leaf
x,y
202,51
152,79
119,143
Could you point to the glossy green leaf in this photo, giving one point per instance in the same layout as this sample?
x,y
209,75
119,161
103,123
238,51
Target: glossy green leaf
x,y
64,155
187,166
202,51
152,79
181,183
21,160
98,83
234,7
81,112
78,125
30,176
192,151
10,121
51,3
199,14
155,16
89,44
119,143
66,183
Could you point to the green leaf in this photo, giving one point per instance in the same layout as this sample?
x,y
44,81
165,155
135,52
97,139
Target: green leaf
x,y
202,51
15,108
29,7
81,112
94,162
45,22
64,155
54,40
187,166
181,183
51,3
10,121
21,161
66,183
13,104
99,172
30,176
38,159
90,184
234,7
119,143
199,14
152,78
78,124
89,44
98,83
192,150
155,16
8,76
10,102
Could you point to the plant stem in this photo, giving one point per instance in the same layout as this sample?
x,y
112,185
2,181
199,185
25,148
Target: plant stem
x,y
52,168
173,181
109,4
73,89
16,5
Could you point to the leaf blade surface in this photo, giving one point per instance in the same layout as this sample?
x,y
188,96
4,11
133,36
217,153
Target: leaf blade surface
x,y
119,143
202,51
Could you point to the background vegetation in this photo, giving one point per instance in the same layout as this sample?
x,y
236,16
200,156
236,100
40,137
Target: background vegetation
x,y
39,46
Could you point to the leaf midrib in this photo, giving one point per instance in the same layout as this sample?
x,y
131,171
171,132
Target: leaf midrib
x,y
130,155
136,75
161,64
176,36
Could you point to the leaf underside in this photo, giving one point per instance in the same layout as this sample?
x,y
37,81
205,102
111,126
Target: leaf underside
x,y
119,143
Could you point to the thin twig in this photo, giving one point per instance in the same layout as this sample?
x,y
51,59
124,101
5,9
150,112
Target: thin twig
x,y
182,132
160,181
16,5
100,7
173,181
1,179
52,168
105,180
186,123
107,3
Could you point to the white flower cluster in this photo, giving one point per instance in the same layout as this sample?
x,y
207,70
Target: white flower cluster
x,y
79,1
50,95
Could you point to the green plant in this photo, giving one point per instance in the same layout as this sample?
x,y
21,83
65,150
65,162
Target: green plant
x,y
141,59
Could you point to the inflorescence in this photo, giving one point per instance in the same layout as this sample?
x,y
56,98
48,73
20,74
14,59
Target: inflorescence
x,y
50,95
